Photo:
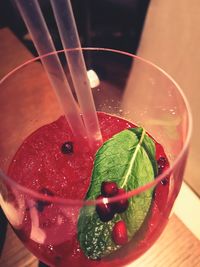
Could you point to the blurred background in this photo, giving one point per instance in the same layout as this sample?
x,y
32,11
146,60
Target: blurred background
x,y
106,23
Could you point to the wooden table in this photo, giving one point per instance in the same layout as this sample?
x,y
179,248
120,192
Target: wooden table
x,y
176,247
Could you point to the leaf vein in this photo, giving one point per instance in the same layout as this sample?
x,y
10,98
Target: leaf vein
x,y
133,158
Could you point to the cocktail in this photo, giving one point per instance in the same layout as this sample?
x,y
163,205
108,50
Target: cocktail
x,y
73,202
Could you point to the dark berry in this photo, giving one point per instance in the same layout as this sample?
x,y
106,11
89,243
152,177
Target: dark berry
x,y
104,210
40,204
67,148
164,181
109,189
119,233
121,205
162,163
46,192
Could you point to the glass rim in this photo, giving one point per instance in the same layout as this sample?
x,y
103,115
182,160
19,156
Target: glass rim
x,y
126,195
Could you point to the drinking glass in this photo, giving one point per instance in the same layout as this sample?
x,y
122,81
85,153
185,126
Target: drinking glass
x,y
44,199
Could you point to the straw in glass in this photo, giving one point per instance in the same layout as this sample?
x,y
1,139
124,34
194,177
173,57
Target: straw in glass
x,y
33,18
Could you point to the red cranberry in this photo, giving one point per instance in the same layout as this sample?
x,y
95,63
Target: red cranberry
x,y
162,163
121,205
104,210
109,189
67,148
119,233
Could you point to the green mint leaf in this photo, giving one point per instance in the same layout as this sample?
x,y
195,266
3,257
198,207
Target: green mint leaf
x,y
128,159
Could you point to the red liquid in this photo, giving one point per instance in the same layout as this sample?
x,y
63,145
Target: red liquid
x,y
40,165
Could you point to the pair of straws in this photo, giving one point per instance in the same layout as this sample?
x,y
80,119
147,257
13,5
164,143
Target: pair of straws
x,y
82,118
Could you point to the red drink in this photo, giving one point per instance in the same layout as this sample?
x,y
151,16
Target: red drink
x,y
44,165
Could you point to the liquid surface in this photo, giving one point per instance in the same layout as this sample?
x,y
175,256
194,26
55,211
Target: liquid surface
x,y
50,230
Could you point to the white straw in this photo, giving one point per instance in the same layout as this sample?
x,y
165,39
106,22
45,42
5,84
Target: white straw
x,y
69,36
33,18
